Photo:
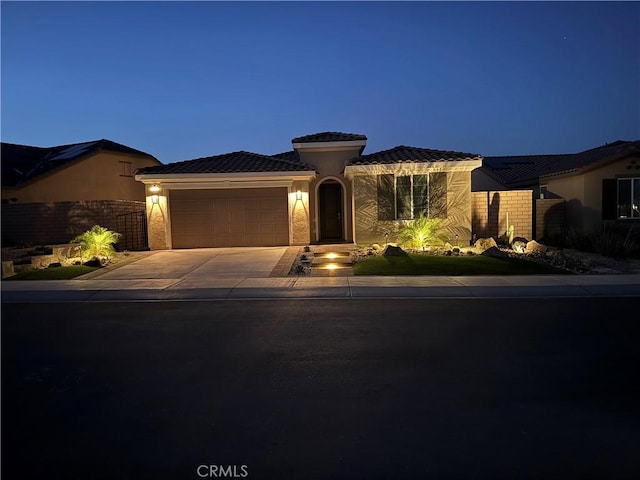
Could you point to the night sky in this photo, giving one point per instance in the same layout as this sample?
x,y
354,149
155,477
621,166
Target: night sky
x,y
185,80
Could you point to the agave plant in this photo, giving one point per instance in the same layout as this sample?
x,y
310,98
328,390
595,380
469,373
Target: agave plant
x,y
421,231
97,242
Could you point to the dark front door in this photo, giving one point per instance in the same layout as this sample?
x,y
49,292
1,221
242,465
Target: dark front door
x,y
330,199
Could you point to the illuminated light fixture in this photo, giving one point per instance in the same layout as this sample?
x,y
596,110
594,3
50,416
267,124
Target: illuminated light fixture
x,y
154,188
331,266
331,255
298,195
155,199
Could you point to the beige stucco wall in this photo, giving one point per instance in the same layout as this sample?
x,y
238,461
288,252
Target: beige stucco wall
x,y
368,229
158,220
94,178
330,166
583,193
300,217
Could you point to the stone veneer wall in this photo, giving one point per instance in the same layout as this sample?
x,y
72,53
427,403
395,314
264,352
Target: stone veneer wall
x,y
59,222
550,217
493,212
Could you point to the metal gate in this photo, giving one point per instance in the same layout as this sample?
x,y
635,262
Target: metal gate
x,y
133,227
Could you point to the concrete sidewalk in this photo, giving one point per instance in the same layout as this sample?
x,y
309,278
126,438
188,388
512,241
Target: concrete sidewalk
x,y
318,287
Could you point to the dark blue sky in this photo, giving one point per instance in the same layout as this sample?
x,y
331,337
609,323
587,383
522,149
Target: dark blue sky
x,y
183,80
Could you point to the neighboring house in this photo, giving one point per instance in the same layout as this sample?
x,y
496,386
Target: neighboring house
x,y
597,185
51,194
324,190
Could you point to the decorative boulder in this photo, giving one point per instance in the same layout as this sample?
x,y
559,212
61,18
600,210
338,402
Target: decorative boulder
x,y
393,251
494,252
535,247
483,244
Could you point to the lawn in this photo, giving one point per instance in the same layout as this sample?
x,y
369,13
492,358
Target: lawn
x,y
53,273
417,264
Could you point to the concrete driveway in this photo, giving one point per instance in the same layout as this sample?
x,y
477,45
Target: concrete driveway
x,y
199,265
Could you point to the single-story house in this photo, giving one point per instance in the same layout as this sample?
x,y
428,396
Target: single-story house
x,y
50,194
323,190
597,185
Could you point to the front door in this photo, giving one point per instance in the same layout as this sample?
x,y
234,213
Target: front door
x,y
330,199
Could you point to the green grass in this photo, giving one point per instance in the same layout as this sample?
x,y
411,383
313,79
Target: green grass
x,y
416,264
53,273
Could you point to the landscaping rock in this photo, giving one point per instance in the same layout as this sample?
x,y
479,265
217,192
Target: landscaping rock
x,y
7,269
447,247
392,251
54,264
494,252
483,244
93,263
535,247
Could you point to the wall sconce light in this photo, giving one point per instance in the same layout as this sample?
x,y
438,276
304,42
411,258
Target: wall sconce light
x,y
155,199
298,195
154,188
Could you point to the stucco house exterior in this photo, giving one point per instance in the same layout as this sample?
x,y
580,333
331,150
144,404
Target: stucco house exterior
x,y
50,194
323,190
598,185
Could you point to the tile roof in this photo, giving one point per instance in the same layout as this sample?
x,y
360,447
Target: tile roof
x,y
22,163
291,156
329,137
527,169
235,162
404,154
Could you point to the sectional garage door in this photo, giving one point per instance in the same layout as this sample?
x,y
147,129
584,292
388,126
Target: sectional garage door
x,y
250,217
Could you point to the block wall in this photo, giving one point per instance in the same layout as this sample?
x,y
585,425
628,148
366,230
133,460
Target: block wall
x,y
493,212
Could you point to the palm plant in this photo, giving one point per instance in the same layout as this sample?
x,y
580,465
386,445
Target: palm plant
x,y
421,231
97,242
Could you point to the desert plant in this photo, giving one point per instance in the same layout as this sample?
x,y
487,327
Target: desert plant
x,y
421,231
97,242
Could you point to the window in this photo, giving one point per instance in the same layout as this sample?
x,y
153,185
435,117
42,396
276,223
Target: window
x,y
544,192
405,197
629,198
125,169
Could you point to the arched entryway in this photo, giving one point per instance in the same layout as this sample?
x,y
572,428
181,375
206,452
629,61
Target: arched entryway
x,y
330,211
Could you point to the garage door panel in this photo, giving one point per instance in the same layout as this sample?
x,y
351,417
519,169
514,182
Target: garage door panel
x,y
225,218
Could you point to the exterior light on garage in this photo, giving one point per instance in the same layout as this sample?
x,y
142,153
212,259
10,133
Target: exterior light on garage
x,y
155,189
155,199
299,195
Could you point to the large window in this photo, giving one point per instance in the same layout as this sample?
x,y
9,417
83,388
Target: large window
x,y
405,197
629,198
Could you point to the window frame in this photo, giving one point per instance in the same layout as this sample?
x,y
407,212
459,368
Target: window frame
x,y
411,208
125,167
634,208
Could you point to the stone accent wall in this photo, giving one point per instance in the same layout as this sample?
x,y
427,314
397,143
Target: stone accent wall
x,y
494,211
550,217
56,223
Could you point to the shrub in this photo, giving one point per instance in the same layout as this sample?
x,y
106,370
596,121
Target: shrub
x,y
421,231
97,242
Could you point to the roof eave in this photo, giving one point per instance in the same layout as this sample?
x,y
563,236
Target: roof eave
x,y
412,167
150,178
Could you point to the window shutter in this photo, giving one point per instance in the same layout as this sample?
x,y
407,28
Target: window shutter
x,y
438,195
386,207
609,199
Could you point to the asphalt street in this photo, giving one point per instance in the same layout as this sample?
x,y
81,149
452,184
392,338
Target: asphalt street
x,y
357,388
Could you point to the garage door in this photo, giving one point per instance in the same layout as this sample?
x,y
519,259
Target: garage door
x,y
250,217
